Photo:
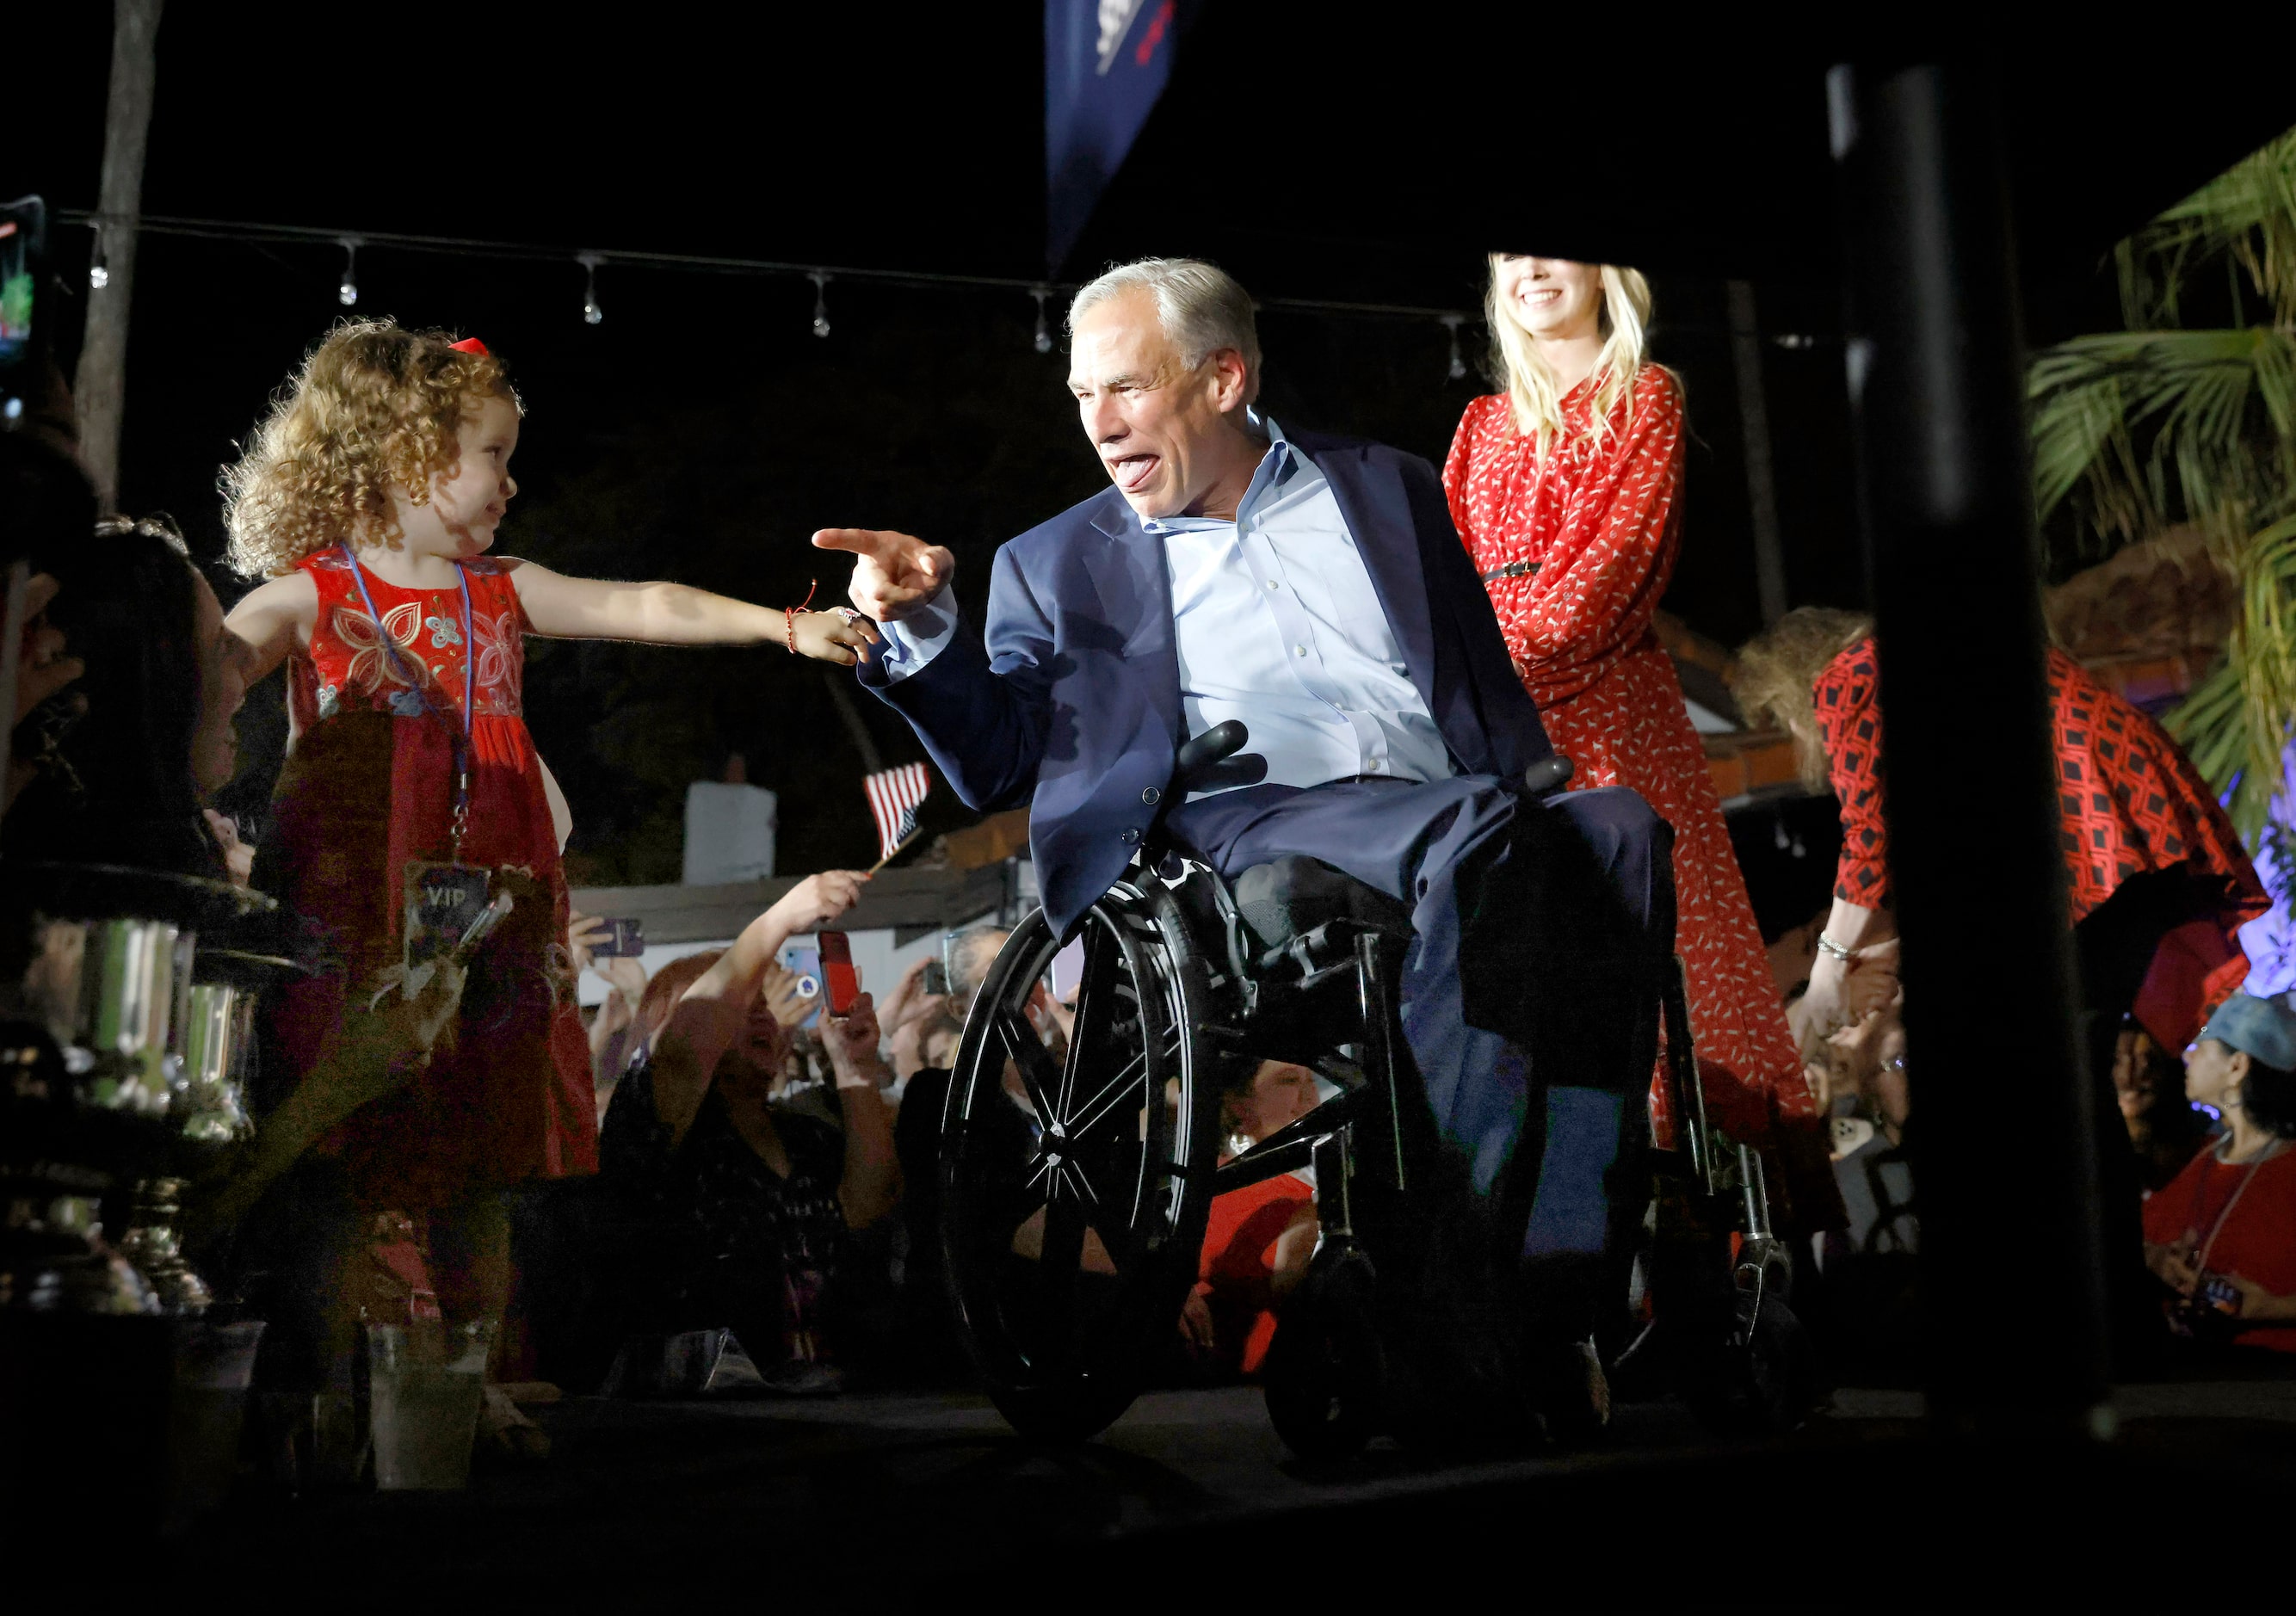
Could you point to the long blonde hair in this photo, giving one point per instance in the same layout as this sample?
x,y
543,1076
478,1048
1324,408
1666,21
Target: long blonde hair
x,y
1530,383
1773,673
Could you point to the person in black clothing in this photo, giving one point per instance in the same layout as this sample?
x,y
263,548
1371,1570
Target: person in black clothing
x,y
128,756
737,1212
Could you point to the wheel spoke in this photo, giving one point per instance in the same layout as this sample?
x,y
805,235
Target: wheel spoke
x,y
1115,1237
1093,1112
1056,1271
1038,1075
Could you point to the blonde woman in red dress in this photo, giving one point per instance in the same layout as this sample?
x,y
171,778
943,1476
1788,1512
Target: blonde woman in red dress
x,y
1566,489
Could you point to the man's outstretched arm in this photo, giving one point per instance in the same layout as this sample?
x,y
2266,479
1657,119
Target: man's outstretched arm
x,y
983,721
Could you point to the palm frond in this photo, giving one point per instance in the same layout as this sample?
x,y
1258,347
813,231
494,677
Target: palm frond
x,y
2236,724
2164,425
2248,214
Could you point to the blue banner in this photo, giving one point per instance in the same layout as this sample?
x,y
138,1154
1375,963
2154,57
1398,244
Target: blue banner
x,y
1105,64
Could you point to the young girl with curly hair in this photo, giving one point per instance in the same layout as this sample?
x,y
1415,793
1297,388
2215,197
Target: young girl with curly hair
x,y
369,498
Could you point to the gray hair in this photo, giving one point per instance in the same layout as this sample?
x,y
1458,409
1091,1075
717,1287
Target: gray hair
x,y
1200,306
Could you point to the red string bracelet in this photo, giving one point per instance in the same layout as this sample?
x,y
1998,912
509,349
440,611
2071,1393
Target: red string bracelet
x,y
788,614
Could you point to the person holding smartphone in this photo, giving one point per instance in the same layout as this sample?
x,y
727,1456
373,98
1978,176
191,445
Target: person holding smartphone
x,y
740,1211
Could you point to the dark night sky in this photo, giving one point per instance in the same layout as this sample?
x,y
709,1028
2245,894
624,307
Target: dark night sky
x,y
701,431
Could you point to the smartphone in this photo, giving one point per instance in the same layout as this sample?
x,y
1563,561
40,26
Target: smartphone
x,y
24,241
624,939
933,980
805,965
841,982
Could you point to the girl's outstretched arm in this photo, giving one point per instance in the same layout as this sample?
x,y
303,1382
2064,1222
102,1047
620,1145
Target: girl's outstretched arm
x,y
273,619
675,614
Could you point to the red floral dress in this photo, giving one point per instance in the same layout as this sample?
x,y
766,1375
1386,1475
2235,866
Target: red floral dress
x,y
2129,799
368,786
1576,554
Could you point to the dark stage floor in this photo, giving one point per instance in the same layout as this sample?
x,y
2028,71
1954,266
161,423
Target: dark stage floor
x,y
880,1500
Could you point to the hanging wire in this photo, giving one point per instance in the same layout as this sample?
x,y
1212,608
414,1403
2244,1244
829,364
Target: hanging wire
x,y
1458,367
99,272
347,293
820,279
1043,339
471,247
591,313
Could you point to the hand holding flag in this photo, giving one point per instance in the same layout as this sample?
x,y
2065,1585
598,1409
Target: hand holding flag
x,y
894,796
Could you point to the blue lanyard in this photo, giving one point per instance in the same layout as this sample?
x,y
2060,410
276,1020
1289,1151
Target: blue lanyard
x,y
460,728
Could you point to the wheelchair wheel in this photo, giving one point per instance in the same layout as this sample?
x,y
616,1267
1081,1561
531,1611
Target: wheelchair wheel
x,y
1761,1379
1076,1182
1327,1372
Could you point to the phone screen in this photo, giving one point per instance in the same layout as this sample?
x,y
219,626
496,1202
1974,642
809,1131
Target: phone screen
x,y
841,981
23,225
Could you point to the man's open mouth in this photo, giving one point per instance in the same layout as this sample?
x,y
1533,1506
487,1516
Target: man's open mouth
x,y
1131,471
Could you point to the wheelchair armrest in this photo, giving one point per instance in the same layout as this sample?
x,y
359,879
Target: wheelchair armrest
x,y
1548,775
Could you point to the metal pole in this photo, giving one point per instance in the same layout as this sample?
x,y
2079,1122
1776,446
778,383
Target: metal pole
x,y
101,386
1754,430
2011,1248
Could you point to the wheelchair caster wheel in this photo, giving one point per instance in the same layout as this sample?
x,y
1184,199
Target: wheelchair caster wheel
x,y
1325,1373
1761,1379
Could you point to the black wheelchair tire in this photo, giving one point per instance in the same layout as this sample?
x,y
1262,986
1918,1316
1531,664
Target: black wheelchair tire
x,y
1326,1374
1052,1388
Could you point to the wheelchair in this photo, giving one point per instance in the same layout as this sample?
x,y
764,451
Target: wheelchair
x,y
1076,1186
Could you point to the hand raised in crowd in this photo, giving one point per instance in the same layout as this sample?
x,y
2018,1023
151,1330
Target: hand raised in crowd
x,y
909,1001
625,975
851,1041
784,997
238,857
831,637
894,573
816,900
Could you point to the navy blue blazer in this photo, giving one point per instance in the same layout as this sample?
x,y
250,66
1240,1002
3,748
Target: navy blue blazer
x,y
1071,701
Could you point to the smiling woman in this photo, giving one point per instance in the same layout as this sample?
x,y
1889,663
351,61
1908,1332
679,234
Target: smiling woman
x,y
1566,489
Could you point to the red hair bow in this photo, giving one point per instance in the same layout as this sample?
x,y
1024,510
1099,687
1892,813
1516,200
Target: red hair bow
x,y
469,345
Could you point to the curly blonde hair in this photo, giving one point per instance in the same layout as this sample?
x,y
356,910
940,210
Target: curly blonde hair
x,y
1773,673
372,407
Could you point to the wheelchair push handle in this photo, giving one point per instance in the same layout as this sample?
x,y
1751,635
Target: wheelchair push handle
x,y
1200,755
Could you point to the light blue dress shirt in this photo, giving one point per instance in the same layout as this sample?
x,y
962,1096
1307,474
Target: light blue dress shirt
x,y
1276,622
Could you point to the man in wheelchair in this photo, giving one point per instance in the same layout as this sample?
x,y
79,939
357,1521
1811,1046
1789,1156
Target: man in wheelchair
x,y
1314,589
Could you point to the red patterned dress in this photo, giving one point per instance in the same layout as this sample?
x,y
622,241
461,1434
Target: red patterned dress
x,y
369,785
2129,799
1576,554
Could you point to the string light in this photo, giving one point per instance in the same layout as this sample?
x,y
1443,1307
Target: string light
x,y
235,230
591,313
347,293
1458,366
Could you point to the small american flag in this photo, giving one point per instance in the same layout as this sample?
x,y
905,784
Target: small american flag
x,y
893,797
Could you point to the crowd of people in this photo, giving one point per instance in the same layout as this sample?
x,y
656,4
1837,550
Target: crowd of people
x,y
443,1134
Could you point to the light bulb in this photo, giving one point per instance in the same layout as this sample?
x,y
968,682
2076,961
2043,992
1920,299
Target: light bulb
x,y
1458,366
1043,341
591,313
820,279
98,276
347,292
